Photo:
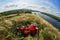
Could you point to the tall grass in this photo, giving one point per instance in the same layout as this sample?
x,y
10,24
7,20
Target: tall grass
x,y
46,30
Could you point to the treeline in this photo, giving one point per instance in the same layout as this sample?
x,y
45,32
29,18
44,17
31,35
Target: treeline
x,y
15,12
52,16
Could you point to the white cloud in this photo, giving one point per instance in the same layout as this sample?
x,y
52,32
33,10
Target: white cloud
x,y
49,7
19,5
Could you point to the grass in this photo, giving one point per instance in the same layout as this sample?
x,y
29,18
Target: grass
x,y
46,30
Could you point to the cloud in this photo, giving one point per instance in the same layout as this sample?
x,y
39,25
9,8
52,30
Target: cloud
x,y
44,6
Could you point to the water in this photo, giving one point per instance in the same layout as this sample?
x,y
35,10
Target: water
x,y
50,20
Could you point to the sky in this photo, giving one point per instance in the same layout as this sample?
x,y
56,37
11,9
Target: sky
x,y
12,4
55,2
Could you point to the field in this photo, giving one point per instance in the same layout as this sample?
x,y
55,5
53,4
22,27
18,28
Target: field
x,y
10,22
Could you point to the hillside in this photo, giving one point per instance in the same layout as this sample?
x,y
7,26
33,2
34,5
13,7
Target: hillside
x,y
18,11
10,22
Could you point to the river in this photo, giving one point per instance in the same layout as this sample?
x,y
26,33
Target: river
x,y
50,20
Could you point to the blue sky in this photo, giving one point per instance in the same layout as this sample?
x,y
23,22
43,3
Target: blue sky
x,y
56,3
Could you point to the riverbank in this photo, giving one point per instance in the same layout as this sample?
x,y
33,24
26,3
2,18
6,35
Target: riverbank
x,y
52,16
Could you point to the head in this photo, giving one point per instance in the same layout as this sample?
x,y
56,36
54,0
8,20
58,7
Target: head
x,y
23,26
35,24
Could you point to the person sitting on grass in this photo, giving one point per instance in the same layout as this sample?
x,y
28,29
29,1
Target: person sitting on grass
x,y
33,29
24,31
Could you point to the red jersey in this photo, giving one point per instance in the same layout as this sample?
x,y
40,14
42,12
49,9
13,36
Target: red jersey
x,y
26,32
22,29
32,29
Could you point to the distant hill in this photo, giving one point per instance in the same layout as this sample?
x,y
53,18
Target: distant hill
x,y
19,11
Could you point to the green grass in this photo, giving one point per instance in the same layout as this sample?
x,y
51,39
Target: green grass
x,y
46,30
